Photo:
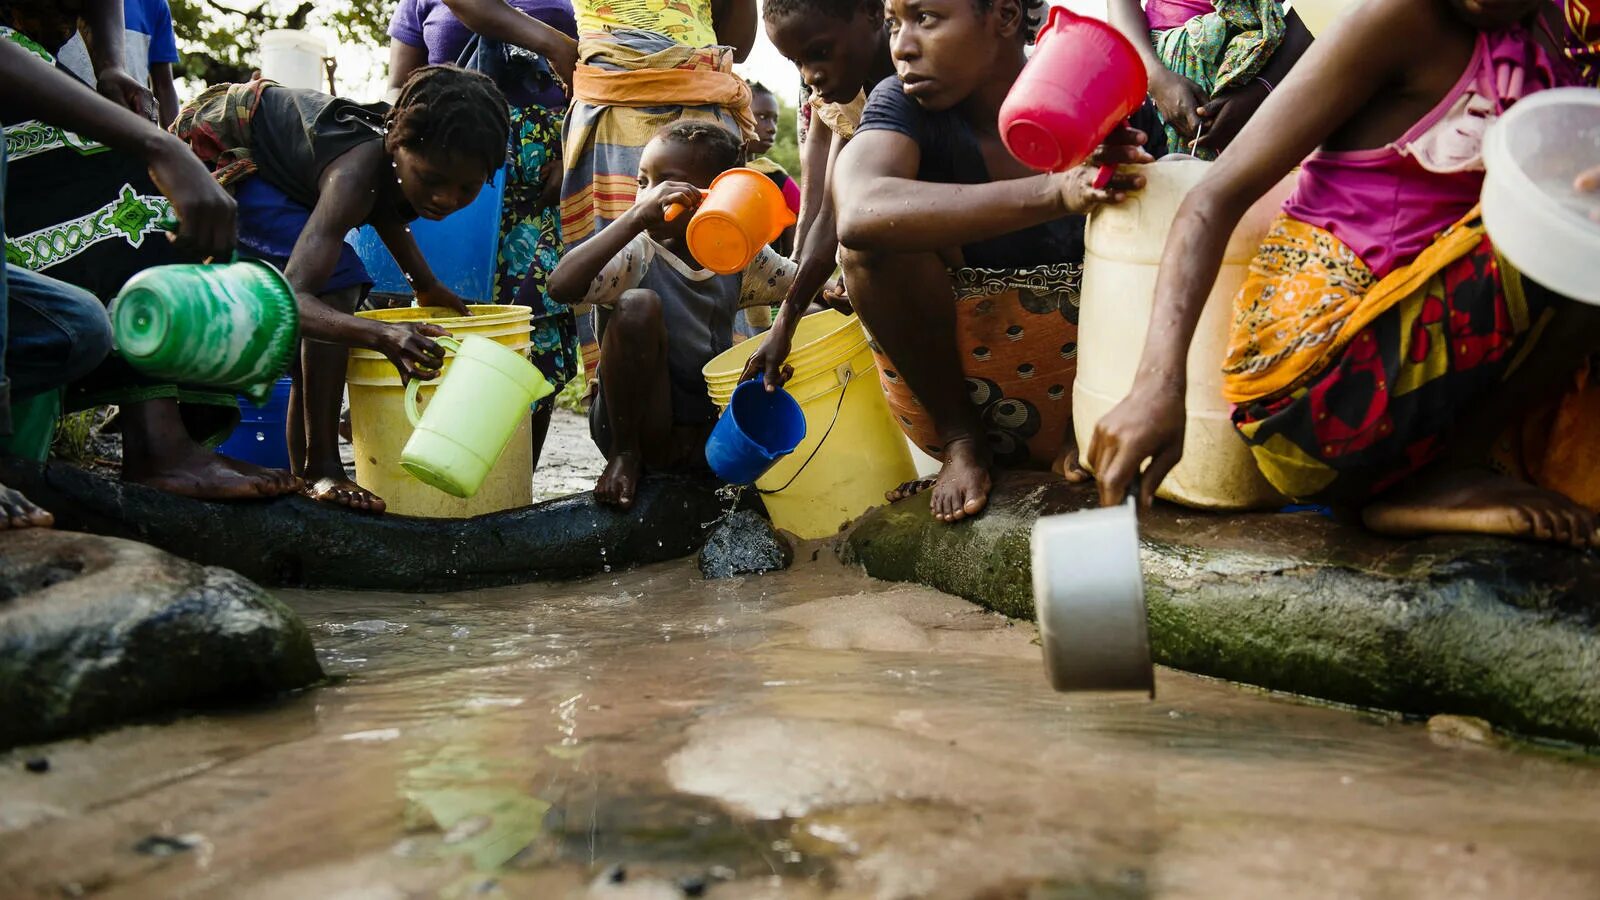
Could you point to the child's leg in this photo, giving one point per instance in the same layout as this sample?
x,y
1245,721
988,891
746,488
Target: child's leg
x,y
908,304
638,396
320,392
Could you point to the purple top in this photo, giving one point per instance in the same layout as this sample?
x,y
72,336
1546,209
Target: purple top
x,y
430,25
1388,204
1164,14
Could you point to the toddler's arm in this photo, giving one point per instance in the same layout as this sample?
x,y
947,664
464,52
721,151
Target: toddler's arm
x,y
578,277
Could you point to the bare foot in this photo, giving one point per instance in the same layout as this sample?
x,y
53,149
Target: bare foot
x,y
1068,464
203,475
344,492
18,512
910,489
1476,501
962,489
276,482
620,481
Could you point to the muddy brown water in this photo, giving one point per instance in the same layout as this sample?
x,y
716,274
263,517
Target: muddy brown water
x,y
808,734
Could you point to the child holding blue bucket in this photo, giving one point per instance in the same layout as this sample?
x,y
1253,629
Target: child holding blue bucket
x,y
306,168
669,315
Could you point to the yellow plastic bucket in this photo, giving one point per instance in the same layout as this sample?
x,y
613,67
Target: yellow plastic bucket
x,y
379,427
862,452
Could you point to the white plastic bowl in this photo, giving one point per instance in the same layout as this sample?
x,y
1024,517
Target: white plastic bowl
x,y
1532,209
1088,592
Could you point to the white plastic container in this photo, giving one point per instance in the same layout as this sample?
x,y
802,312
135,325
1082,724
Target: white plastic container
x,y
1319,15
1532,209
1088,595
1124,246
294,58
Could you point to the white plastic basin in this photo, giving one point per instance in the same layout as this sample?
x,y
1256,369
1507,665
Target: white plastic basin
x,y
1532,209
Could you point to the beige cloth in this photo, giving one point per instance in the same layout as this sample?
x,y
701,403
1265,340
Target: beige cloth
x,y
841,118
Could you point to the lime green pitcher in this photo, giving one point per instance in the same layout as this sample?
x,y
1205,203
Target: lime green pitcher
x,y
482,396
231,325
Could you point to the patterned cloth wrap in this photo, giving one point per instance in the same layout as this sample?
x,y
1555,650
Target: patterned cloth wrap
x,y
531,244
88,215
1017,332
1221,50
629,86
1346,397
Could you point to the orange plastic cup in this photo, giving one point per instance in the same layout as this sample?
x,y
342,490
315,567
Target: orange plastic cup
x,y
742,212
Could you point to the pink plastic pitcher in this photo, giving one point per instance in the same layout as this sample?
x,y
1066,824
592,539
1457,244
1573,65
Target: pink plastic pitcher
x,y
1083,80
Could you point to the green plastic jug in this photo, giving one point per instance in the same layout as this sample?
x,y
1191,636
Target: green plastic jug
x,y
482,396
229,325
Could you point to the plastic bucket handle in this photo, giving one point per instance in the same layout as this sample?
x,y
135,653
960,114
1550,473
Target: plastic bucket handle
x,y
416,383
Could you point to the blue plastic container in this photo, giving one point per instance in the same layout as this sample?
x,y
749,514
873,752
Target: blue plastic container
x,y
260,436
756,430
461,248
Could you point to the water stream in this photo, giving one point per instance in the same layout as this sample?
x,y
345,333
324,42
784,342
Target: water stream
x,y
814,733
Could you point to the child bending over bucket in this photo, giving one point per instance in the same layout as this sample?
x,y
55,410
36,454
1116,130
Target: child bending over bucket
x,y
306,168
669,315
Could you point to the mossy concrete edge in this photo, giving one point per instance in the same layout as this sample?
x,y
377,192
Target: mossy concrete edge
x,y
1504,630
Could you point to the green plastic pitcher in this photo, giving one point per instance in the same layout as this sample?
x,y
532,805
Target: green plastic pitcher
x,y
229,325
481,398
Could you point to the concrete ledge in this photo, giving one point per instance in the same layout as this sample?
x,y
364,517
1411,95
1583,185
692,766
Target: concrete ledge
x,y
294,542
1505,630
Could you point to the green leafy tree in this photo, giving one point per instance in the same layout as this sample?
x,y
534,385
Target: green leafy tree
x,y
219,39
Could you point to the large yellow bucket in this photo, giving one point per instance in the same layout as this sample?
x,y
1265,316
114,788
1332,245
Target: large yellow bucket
x,y
862,453
379,428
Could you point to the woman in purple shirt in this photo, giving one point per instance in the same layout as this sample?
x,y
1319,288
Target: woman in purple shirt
x,y
428,32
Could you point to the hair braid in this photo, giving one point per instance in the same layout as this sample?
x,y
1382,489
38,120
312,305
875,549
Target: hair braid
x,y
454,111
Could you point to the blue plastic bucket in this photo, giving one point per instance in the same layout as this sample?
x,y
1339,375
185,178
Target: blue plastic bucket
x,y
756,430
260,437
461,248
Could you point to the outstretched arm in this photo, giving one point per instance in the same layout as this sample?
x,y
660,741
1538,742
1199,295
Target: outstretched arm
x,y
501,21
735,21
30,89
576,272
1337,77
815,256
427,287
881,206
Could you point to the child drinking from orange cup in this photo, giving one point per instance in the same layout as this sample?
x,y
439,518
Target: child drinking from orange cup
x,y
670,315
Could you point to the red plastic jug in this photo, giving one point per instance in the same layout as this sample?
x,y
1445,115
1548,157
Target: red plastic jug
x,y
1083,79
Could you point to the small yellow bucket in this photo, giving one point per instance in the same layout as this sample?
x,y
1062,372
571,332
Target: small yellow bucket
x,y
853,451
379,427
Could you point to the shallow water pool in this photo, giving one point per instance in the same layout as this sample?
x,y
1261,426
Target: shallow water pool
x,y
814,733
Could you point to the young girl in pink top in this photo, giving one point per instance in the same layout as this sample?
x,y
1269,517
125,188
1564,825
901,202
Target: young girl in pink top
x,y
1378,346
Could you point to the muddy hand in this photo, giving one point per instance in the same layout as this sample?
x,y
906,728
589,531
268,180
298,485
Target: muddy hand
x,y
769,362
1226,114
123,89
410,346
1177,98
1148,424
207,214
